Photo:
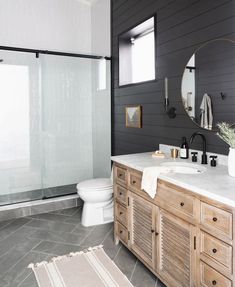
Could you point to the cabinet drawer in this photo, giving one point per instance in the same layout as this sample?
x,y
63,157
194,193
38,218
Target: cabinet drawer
x,y
121,194
121,213
135,181
216,220
121,175
211,278
181,202
121,232
217,250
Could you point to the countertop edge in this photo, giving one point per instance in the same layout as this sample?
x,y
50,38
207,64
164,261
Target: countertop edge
x,y
179,183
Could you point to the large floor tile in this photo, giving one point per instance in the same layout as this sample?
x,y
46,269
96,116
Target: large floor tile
x,y
12,227
20,271
126,261
141,276
109,246
56,248
51,225
29,281
40,237
97,235
16,253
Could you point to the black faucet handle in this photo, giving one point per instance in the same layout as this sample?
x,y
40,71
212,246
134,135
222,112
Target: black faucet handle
x,y
213,160
213,156
194,156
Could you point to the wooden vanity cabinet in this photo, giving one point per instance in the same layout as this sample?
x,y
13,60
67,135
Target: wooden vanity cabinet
x,y
185,239
176,250
142,223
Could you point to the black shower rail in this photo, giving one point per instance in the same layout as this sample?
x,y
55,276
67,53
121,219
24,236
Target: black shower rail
x,y
55,53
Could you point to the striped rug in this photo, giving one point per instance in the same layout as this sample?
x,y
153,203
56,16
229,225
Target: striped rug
x,y
89,268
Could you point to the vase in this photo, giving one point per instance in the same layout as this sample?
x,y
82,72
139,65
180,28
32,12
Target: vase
x,y
231,162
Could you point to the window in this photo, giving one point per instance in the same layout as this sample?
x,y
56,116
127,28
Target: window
x,y
137,54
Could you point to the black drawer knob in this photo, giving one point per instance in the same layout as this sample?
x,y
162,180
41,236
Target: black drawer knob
x,y
120,193
182,204
120,231
214,250
120,175
152,230
121,213
214,282
215,219
133,182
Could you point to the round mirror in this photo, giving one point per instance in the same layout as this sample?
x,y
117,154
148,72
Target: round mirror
x,y
208,84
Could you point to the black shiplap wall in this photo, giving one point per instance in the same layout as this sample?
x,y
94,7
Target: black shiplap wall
x,y
182,26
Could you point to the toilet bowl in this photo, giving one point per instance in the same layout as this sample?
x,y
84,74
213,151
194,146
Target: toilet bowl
x,y
97,195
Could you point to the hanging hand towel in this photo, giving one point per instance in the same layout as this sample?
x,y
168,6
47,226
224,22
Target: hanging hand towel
x,y
206,112
150,177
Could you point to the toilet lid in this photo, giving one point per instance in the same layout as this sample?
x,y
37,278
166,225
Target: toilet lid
x,y
96,183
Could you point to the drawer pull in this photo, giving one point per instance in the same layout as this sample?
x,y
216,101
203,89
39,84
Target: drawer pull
x,y
120,213
214,282
156,233
120,175
133,182
214,250
120,231
215,219
152,230
182,204
120,193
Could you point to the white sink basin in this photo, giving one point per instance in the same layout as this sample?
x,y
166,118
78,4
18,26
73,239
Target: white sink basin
x,y
183,167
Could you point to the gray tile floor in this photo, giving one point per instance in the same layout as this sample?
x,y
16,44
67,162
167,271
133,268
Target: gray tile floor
x,y
41,237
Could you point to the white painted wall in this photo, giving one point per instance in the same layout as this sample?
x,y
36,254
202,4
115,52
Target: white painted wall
x,y
100,27
62,25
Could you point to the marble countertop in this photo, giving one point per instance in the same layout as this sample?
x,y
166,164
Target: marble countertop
x,y
214,183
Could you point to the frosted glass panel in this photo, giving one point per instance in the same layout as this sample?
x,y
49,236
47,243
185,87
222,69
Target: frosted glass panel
x,y
55,124
101,119
20,152
66,120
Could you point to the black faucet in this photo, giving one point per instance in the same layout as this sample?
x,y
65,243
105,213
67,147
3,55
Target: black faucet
x,y
204,155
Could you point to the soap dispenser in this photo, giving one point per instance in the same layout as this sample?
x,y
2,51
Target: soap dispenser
x,y
184,149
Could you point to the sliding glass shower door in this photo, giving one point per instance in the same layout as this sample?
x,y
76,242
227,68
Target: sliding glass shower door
x,y
20,128
55,124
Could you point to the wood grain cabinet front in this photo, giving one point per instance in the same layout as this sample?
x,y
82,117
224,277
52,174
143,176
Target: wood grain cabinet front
x,y
216,253
121,232
211,278
176,201
120,175
176,254
217,221
142,218
183,238
120,194
121,214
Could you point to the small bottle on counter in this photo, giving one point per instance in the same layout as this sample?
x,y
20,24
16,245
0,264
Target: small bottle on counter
x,y
184,149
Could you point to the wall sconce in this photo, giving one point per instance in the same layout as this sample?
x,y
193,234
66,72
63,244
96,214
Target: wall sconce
x,y
170,111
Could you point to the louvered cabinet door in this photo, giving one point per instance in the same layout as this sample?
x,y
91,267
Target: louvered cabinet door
x,y
142,228
176,254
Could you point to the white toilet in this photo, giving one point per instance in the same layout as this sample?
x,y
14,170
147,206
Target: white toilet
x,y
97,195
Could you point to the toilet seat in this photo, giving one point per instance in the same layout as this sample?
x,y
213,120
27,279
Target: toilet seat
x,y
95,184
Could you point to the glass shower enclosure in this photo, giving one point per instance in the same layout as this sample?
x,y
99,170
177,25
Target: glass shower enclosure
x,y
55,124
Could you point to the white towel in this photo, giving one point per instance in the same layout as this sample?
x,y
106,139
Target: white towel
x,y
206,112
150,177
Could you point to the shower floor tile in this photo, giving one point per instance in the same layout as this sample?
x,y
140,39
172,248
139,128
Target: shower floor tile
x,y
43,236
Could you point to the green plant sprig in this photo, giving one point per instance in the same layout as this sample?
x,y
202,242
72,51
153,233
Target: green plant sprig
x,y
226,133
